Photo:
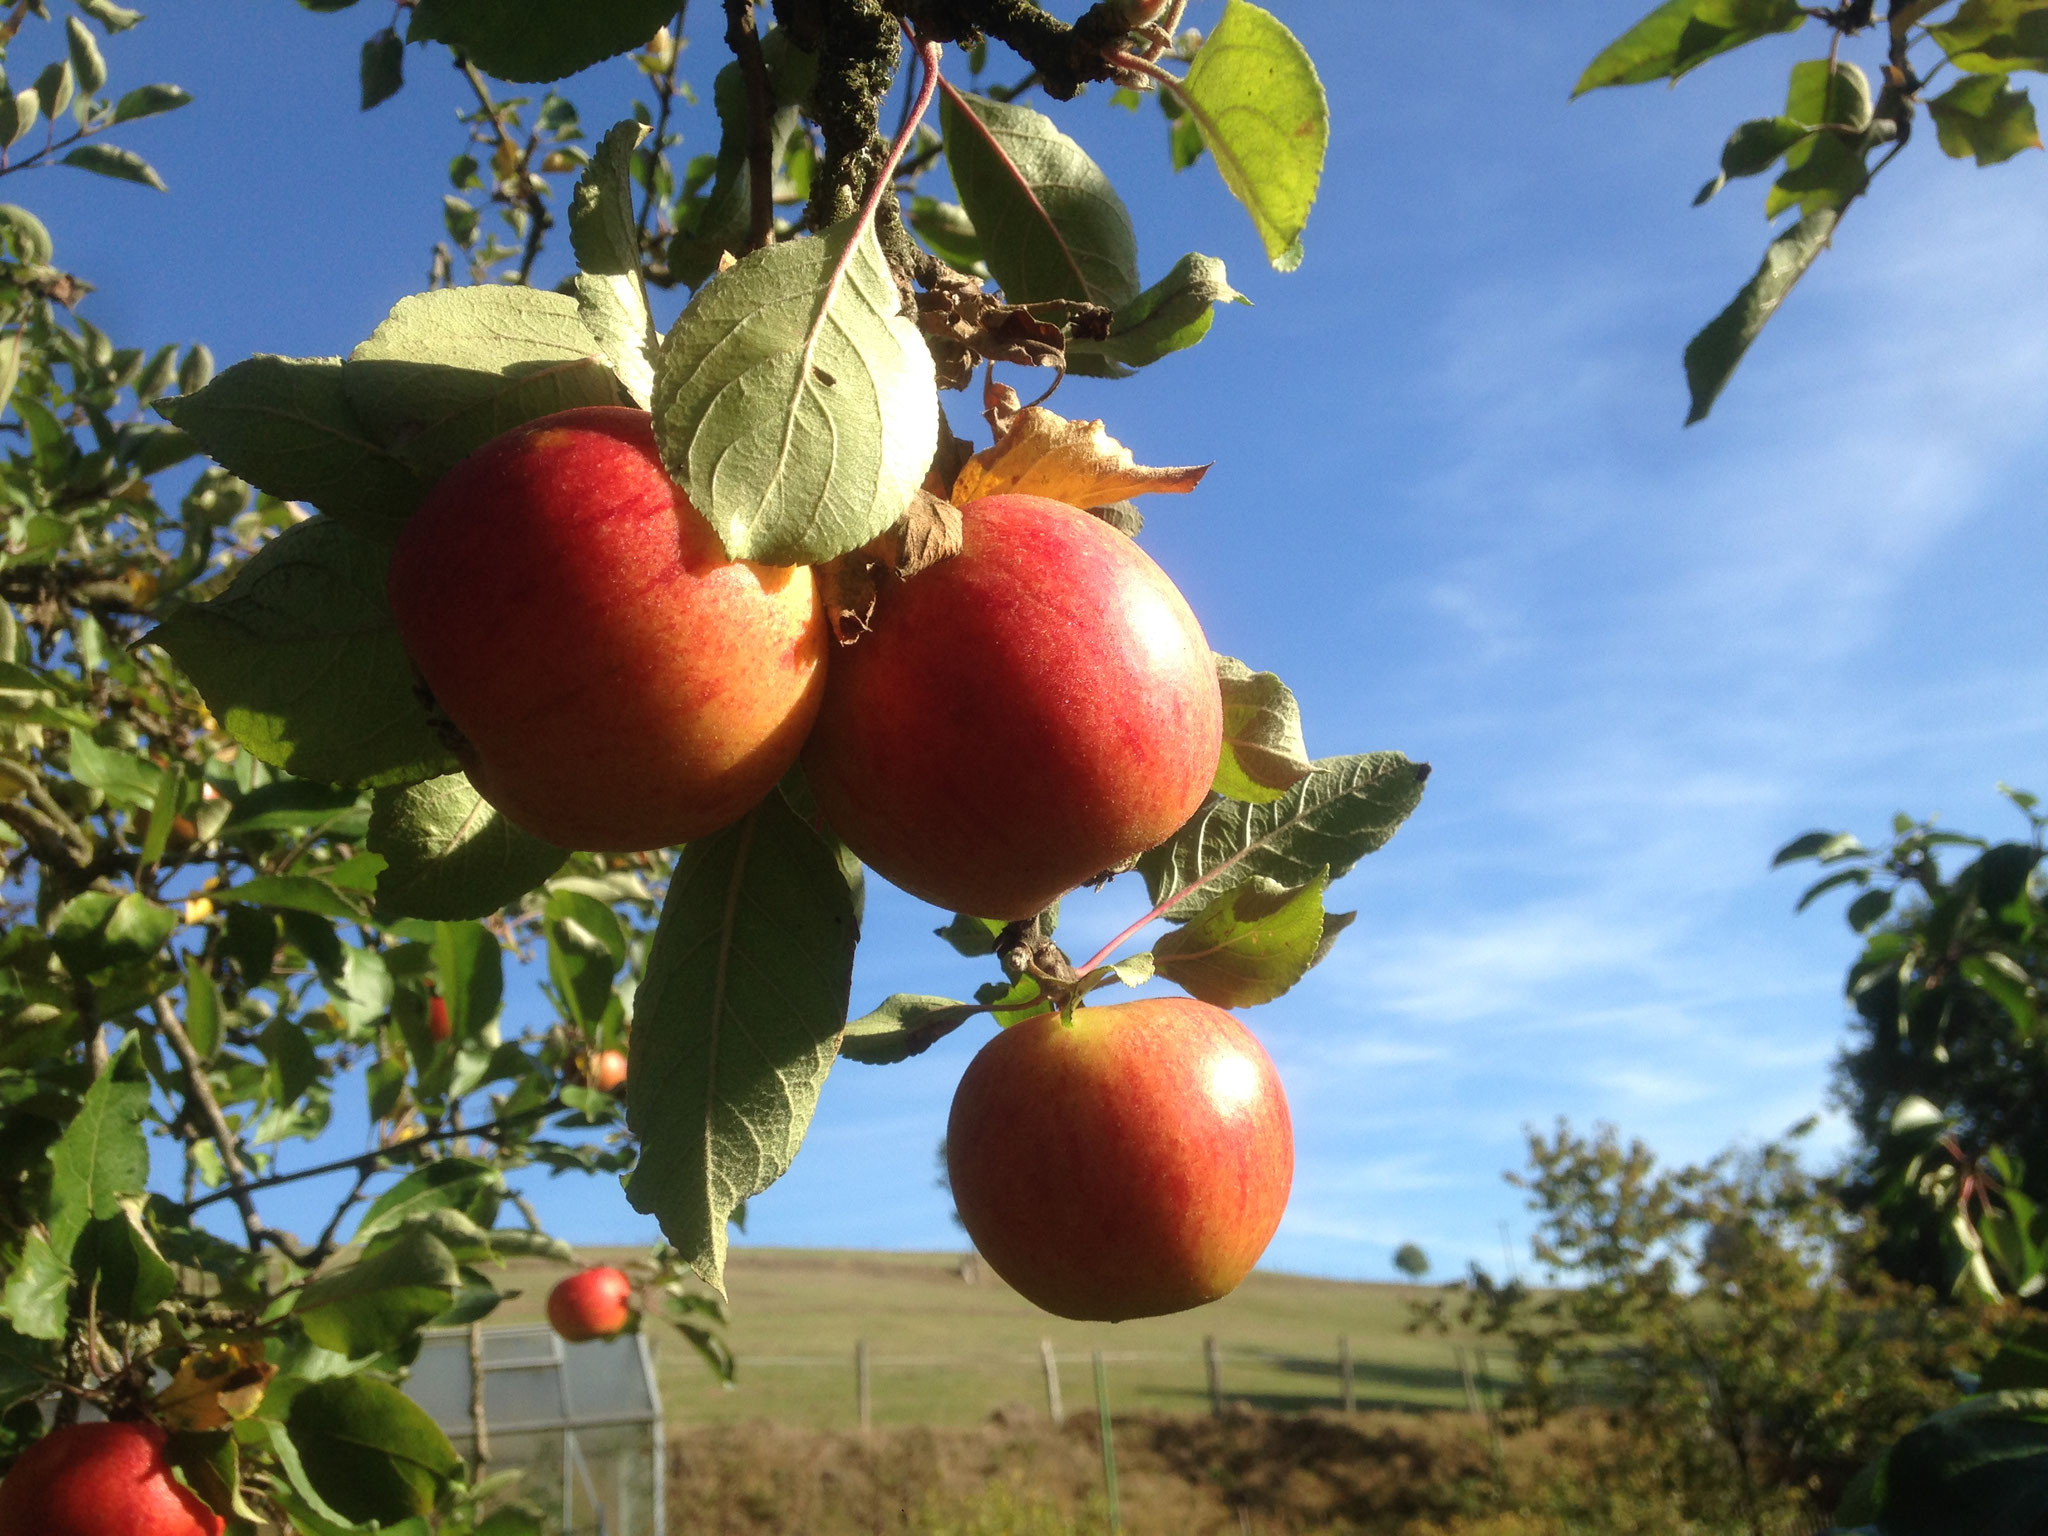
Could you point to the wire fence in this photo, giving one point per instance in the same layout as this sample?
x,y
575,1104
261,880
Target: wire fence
x,y
870,1383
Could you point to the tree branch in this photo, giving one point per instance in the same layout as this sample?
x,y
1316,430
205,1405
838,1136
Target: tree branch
x,y
370,1160
200,1092
1066,58
745,44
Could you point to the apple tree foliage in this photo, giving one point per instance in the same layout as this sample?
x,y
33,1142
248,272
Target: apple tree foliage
x,y
1840,124
245,875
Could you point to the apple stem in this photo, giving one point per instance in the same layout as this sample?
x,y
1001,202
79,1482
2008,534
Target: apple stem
x,y
1123,938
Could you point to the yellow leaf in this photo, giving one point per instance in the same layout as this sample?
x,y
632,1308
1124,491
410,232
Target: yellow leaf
x,y
215,1387
198,910
1077,462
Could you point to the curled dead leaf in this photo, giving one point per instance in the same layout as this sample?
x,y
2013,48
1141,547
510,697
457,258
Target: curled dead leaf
x,y
215,1387
1077,462
846,587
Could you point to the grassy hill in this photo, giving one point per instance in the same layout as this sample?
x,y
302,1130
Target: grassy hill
x,y
947,1348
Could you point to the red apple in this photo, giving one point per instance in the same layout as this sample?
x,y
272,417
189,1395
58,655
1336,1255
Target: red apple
x,y
438,1024
1022,717
591,1304
1133,1163
607,1071
100,1480
618,684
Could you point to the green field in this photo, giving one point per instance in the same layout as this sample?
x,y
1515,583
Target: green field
x,y
948,1350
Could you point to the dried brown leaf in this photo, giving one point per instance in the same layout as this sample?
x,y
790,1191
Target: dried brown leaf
x,y
847,588
930,532
214,1388
1077,462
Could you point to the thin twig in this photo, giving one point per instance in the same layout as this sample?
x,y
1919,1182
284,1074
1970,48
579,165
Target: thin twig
x,y
370,1160
201,1095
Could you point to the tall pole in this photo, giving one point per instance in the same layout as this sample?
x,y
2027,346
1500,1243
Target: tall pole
x,y
1116,1518
1053,1406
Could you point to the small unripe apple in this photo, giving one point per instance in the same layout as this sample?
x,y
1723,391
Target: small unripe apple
x,y
617,682
1023,716
1133,1163
438,1024
607,1071
100,1480
591,1304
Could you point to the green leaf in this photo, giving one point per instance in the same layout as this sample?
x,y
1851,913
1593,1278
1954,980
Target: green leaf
x,y
27,1365
1681,35
797,409
1980,1466
903,1027
947,231
2021,1363
1049,223
1172,314
102,1158
449,854
471,966
202,1008
586,946
1996,36
123,776
295,893
1824,171
1264,755
110,160
376,1303
149,101
382,71
293,805
53,89
536,40
1343,811
111,17
448,371
1824,846
98,931
1254,94
1248,946
606,238
1984,117
1754,147
36,1298
1824,92
1868,908
285,425
120,1261
371,1452
87,67
447,1184
971,936
1711,356
301,661
736,1023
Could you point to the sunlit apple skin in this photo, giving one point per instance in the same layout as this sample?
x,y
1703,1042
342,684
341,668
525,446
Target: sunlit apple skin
x,y
1134,1163
620,684
591,1304
1023,716
607,1071
100,1480
438,1023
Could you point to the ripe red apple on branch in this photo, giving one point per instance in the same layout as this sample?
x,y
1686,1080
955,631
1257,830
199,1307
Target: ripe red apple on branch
x,y
1025,715
105,1479
1131,1163
606,1071
593,1303
617,682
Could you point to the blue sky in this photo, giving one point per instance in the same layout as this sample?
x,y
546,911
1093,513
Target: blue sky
x,y
1452,505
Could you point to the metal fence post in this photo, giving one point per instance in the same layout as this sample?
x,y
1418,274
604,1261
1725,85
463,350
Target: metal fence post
x,y
1471,1387
1344,1382
1053,1406
1212,1358
1116,1518
860,1384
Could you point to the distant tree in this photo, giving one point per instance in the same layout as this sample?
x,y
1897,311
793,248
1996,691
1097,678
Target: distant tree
x,y
1946,1075
1411,1261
